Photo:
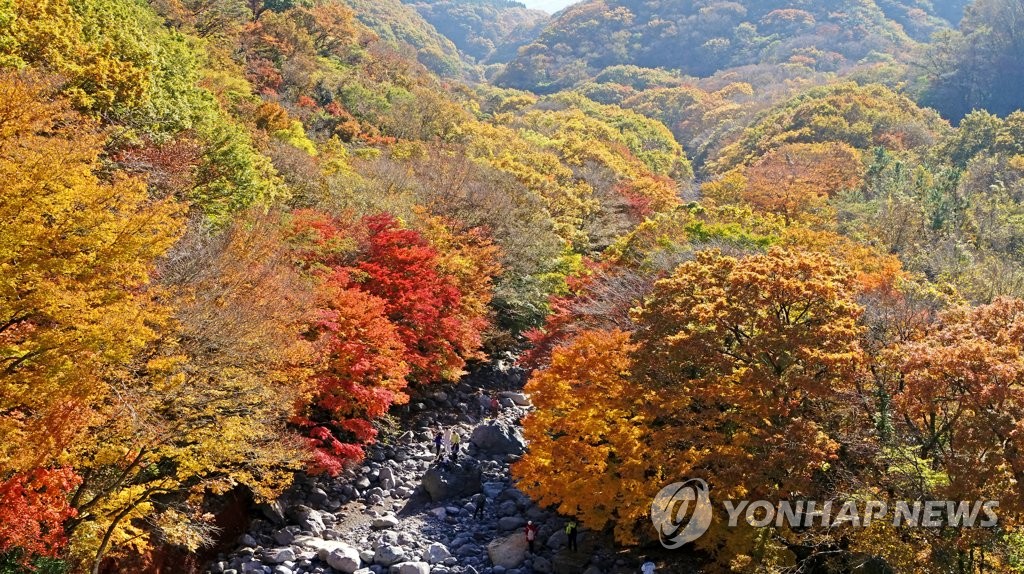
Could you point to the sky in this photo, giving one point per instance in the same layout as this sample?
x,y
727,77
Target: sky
x,y
550,6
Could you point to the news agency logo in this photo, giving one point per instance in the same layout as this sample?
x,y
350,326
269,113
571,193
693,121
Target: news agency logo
x,y
682,512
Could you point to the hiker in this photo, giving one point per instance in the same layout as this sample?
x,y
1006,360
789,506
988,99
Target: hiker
x,y
571,530
481,501
438,440
455,440
483,402
648,567
495,407
531,534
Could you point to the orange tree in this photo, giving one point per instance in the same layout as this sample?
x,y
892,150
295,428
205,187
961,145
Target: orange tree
x,y
587,445
793,181
749,355
740,371
961,400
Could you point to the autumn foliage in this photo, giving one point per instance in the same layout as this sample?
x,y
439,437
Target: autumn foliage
x,y
33,509
71,303
744,363
961,392
394,308
793,181
237,238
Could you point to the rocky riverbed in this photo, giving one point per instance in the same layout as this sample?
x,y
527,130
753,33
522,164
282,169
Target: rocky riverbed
x,y
401,512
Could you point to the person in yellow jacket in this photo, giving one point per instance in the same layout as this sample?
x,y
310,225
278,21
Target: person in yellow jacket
x,y
455,440
572,530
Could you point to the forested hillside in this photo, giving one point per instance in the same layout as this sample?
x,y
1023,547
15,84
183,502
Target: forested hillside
x,y
700,38
485,30
778,246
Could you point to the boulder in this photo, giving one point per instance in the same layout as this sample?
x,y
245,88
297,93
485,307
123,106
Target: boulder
x,y
318,497
344,559
566,562
410,568
310,520
437,553
516,397
541,565
279,555
323,548
273,511
284,536
558,539
493,489
499,437
387,554
508,508
507,523
453,481
508,552
386,521
252,567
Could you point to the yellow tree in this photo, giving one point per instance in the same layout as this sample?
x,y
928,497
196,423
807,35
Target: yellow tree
x,y
75,258
740,371
753,359
205,409
471,259
587,449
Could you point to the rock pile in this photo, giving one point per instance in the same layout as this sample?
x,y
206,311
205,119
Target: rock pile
x,y
401,512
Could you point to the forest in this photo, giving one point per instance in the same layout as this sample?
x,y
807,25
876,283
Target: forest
x,y
777,245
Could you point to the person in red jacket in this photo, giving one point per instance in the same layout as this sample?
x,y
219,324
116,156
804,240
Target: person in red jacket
x,y
531,534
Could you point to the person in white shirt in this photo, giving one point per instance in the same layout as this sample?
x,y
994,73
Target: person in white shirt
x,y
446,443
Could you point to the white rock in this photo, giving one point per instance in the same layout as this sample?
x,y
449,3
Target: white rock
x,y
386,521
518,398
388,554
509,551
410,568
436,553
322,547
344,559
279,555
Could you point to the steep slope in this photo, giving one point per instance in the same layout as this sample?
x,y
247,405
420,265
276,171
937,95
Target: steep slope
x,y
922,18
979,65
401,25
702,37
485,30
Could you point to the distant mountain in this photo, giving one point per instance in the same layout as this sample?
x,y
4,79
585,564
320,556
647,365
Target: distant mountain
x,y
700,38
979,65
485,30
403,27
922,18
549,6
